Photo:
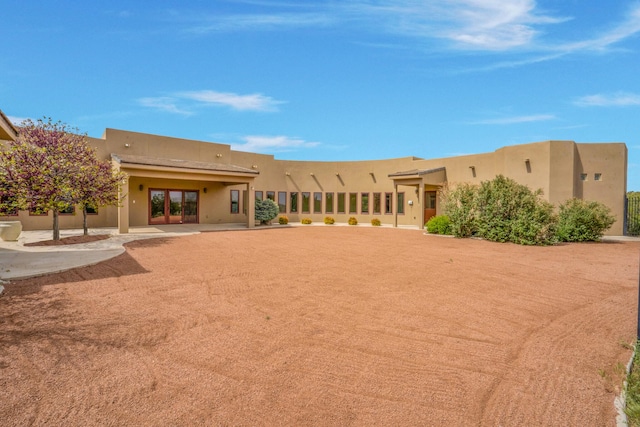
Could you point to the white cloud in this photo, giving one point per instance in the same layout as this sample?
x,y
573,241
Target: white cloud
x,y
515,119
226,23
185,103
251,102
619,99
163,103
272,144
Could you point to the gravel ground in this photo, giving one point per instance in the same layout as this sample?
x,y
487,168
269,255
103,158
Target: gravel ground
x,y
323,326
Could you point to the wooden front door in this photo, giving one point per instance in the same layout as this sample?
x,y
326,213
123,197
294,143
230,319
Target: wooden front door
x,y
429,205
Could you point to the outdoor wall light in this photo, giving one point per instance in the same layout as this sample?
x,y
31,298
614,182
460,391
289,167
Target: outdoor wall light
x,y
140,187
254,166
127,145
410,202
218,155
204,190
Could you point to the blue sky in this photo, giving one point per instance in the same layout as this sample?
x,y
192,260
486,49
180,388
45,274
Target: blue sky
x,y
332,80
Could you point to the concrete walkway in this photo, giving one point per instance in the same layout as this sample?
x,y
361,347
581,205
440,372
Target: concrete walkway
x,y
18,261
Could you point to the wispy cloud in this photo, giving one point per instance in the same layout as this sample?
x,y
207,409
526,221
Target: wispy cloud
x,y
272,144
515,120
251,102
185,103
229,23
163,103
470,24
618,99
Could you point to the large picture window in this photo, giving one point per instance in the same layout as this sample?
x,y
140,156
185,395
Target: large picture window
x,y
317,202
341,203
306,202
401,203
376,203
328,203
282,201
353,203
235,201
364,203
388,203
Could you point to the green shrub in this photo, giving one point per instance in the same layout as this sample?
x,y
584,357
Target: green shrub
x,y
283,220
512,212
306,220
266,210
353,221
329,220
376,222
439,224
459,204
581,221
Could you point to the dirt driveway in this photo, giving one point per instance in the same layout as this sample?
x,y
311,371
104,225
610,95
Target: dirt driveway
x,y
323,326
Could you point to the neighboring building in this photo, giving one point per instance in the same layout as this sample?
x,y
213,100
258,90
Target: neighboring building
x,y
174,180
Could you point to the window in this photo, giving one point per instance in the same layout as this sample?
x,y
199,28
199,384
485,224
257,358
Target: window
x,y
353,203
364,203
431,200
388,203
91,210
401,203
282,201
70,210
293,202
583,177
306,202
245,202
271,195
258,195
38,212
341,203
597,177
235,201
8,212
317,202
328,203
377,203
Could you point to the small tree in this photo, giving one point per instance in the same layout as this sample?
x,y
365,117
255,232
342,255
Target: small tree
x,y
266,211
99,186
581,221
46,169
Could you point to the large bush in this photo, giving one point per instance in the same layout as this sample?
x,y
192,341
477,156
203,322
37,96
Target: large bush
x,y
581,221
439,224
266,211
511,212
459,205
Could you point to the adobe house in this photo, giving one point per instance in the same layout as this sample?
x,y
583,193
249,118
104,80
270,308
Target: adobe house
x,y
179,181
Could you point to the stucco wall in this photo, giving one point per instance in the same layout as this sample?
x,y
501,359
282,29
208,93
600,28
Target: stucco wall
x,y
553,166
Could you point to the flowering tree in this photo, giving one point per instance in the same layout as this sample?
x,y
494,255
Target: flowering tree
x,y
99,185
51,167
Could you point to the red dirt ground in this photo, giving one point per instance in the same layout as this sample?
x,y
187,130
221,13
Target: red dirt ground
x,y
323,326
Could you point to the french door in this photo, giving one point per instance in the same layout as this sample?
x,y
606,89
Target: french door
x,y
173,206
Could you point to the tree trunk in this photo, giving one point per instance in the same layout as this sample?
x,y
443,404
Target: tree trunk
x,y
56,225
84,220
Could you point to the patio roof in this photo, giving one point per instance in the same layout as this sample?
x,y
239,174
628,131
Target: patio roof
x,y
131,160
